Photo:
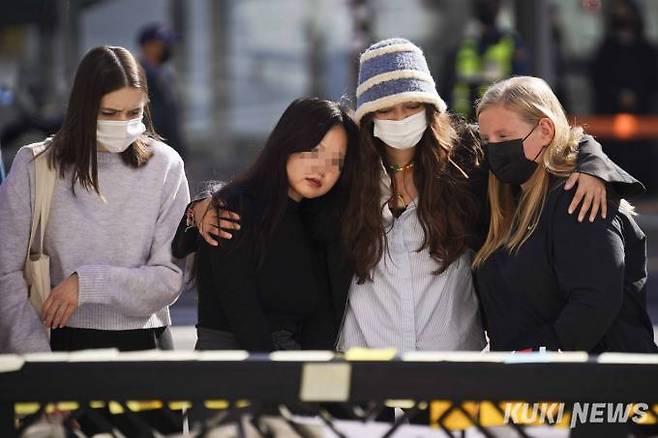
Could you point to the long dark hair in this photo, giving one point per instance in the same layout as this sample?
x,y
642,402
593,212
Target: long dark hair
x,y
301,128
102,70
446,209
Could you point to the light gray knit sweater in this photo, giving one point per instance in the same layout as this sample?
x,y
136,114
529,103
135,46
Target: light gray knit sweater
x,y
120,248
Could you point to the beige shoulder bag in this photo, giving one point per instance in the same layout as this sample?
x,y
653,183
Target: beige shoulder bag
x,y
37,264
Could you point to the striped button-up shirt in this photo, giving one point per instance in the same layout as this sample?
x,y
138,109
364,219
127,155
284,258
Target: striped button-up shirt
x,y
406,306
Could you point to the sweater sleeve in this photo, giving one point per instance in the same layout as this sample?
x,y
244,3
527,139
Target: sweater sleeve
x,y
144,290
21,331
234,274
589,265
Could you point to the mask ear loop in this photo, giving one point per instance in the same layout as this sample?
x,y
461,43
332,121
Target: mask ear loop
x,y
540,151
531,131
528,135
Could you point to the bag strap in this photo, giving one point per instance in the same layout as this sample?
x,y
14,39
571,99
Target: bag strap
x,y
44,184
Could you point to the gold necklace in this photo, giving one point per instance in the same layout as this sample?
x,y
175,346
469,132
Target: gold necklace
x,y
401,167
402,204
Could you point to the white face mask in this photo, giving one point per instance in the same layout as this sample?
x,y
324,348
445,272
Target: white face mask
x,y
117,135
401,134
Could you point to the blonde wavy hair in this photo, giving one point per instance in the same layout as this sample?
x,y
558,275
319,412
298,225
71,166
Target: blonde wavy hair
x,y
512,223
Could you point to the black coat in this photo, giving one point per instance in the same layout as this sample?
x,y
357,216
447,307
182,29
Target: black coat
x,y
571,286
302,282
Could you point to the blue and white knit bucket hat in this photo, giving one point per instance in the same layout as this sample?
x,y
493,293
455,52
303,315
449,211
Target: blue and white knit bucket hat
x,y
394,71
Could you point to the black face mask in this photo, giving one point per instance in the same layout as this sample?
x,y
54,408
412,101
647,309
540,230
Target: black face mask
x,y
508,162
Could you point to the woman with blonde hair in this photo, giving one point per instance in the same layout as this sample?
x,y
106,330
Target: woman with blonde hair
x,y
545,279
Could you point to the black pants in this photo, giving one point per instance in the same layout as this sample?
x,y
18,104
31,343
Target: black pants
x,y
72,339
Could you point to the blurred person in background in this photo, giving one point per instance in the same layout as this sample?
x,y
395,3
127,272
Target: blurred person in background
x,y
117,198
486,54
625,66
624,74
156,44
25,113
